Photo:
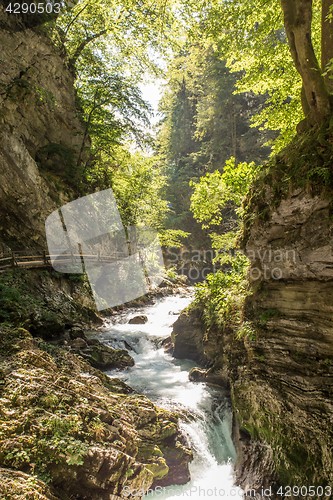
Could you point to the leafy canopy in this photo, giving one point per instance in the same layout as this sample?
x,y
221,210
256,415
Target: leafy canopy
x,y
251,36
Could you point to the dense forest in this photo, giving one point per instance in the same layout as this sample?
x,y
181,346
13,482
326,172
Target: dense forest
x,y
235,178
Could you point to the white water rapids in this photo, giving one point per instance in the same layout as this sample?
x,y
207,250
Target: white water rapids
x,y
165,382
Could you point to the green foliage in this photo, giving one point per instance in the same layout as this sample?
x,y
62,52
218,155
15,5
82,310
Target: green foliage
x,y
171,274
9,336
221,297
203,125
216,190
251,36
124,30
264,317
15,296
246,330
129,473
20,89
224,244
113,113
137,186
59,159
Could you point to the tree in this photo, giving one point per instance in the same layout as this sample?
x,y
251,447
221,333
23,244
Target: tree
x,y
126,28
137,186
112,109
204,124
316,98
256,37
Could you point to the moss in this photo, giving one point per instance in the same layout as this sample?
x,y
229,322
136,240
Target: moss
x,y
306,163
158,468
293,461
267,314
16,485
149,450
10,337
25,301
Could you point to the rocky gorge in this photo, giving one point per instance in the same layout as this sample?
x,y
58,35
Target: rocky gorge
x,y
69,430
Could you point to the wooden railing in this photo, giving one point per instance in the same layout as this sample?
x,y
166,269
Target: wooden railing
x,y
22,259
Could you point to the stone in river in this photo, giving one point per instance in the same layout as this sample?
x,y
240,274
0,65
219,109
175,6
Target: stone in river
x,y
138,320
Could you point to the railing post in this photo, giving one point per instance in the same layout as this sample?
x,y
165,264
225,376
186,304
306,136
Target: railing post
x,y
99,256
13,259
44,256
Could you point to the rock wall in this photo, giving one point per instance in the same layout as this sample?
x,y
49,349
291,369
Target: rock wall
x,y
283,397
37,108
45,302
282,379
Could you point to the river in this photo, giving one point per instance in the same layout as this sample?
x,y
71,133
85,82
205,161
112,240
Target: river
x,y
164,380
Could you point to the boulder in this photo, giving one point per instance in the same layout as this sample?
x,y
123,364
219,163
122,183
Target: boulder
x,y
105,358
93,342
165,283
167,344
46,324
207,376
76,332
187,337
197,375
17,484
78,343
138,320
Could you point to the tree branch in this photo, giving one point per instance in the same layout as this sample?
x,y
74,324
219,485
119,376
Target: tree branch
x,y
82,45
74,19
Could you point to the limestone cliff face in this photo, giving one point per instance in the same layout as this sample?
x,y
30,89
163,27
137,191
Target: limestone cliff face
x,y
37,109
282,381
283,395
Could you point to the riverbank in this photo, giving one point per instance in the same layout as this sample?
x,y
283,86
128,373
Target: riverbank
x,y
76,428
67,428
48,303
281,408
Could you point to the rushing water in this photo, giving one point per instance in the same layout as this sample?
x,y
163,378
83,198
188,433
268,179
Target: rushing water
x,y
164,381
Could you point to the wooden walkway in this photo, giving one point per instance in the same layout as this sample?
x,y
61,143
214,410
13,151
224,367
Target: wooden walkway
x,y
43,259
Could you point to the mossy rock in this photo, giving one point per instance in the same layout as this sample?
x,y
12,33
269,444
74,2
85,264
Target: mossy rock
x,y
138,320
47,324
16,485
158,468
105,358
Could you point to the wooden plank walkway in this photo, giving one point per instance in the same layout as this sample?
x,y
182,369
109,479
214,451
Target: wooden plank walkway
x,y
43,259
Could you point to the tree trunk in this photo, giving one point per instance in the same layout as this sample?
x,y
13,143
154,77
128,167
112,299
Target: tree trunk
x,y
326,42
297,23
